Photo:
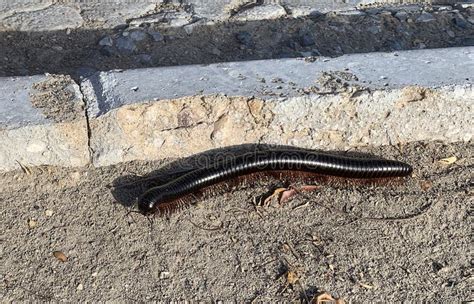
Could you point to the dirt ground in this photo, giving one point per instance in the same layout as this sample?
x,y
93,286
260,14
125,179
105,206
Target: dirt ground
x,y
81,51
364,244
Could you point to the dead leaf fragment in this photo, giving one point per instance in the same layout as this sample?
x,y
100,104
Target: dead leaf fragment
x,y
275,193
60,256
326,298
286,195
291,277
309,188
366,286
448,160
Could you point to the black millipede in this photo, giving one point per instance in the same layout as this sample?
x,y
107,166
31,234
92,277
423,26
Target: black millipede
x,y
177,193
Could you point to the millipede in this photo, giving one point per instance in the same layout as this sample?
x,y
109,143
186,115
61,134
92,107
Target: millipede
x,y
183,190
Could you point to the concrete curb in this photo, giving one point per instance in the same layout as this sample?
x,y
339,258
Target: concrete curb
x,y
353,100
42,122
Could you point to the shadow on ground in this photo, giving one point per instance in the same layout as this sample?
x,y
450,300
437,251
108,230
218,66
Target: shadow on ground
x,y
82,51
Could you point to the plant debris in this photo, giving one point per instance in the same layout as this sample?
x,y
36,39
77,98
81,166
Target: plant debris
x,y
326,298
60,256
448,160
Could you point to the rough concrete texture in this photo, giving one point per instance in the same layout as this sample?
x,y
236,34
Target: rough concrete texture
x,y
105,91
172,36
27,15
51,18
349,101
340,103
386,244
60,144
42,121
40,99
15,107
335,121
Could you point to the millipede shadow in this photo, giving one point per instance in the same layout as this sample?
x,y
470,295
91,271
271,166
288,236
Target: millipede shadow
x,y
126,189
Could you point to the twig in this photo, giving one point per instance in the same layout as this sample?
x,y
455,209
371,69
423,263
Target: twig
x,y
208,229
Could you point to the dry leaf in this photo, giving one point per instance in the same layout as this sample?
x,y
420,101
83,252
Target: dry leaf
x,y
291,277
425,185
309,188
286,195
448,160
60,256
326,298
275,193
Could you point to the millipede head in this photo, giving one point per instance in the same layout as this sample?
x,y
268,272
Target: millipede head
x,y
147,202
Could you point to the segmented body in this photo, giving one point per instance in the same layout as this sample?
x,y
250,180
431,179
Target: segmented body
x,y
165,198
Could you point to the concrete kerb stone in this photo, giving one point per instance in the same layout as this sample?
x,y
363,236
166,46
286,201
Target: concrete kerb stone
x,y
42,122
338,103
329,103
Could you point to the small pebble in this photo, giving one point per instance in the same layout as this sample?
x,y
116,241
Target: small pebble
x,y
157,36
80,287
106,41
137,35
134,89
48,213
425,17
32,224
164,275
125,45
402,16
383,77
60,256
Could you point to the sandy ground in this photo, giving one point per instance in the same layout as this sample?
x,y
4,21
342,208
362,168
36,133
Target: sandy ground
x,y
225,248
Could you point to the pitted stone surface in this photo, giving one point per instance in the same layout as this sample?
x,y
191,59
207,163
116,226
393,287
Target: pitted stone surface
x,y
64,144
42,122
15,107
28,15
329,103
51,18
186,126
105,91
40,99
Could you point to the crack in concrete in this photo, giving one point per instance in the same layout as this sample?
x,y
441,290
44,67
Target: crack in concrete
x,y
86,116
